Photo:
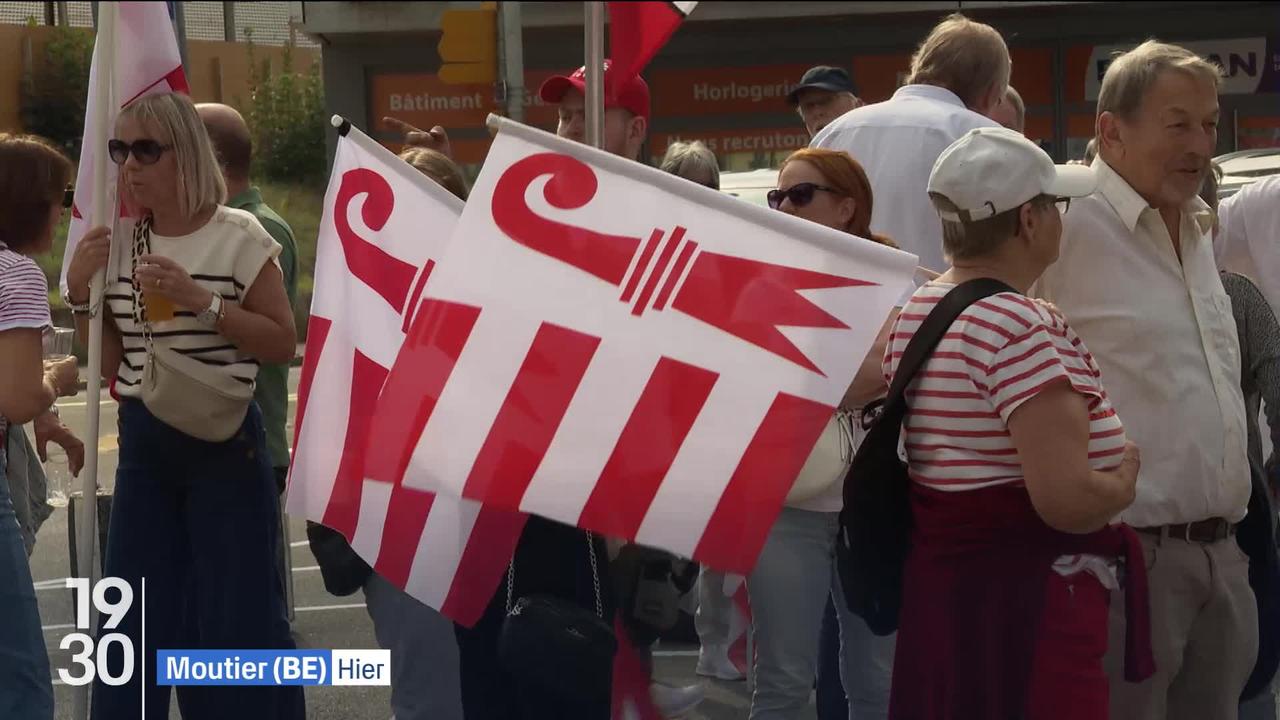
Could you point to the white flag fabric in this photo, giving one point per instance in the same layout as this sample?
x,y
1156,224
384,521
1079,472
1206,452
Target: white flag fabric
x,y
143,60
383,228
615,348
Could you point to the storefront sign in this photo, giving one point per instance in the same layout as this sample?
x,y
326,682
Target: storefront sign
x,y
723,91
727,142
1248,64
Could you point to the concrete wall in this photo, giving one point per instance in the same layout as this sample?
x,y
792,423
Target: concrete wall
x,y
217,71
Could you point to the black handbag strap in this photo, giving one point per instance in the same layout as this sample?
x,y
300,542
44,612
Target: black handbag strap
x,y
926,338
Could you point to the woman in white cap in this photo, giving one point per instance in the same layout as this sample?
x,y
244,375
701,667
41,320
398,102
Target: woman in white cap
x,y
1018,463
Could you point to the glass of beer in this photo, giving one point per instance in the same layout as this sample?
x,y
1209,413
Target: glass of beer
x,y
159,308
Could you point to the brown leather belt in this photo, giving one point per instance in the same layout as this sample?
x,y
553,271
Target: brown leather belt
x,y
1202,531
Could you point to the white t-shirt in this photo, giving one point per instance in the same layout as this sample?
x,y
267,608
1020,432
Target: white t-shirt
x,y
224,256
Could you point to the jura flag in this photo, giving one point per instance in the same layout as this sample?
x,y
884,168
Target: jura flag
x,y
619,349
383,228
637,31
143,60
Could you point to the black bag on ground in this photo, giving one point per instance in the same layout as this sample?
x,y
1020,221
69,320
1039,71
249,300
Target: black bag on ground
x,y
875,524
342,570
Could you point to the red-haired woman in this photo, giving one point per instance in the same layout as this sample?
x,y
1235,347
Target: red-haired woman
x,y
795,575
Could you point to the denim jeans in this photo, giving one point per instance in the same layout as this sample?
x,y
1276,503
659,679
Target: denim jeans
x,y
789,589
425,682
198,521
25,689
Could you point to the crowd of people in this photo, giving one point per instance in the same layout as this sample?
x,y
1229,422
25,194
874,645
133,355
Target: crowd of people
x,y
1091,528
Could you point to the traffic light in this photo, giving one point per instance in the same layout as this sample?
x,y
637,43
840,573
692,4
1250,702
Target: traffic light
x,y
469,45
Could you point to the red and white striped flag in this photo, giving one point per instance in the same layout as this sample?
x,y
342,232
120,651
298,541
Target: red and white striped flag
x,y
143,60
384,227
637,31
615,348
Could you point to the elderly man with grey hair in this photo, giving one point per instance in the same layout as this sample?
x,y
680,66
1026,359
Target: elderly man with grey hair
x,y
692,161
1136,278
1011,112
958,76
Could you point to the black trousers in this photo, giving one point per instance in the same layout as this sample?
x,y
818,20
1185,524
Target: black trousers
x,y
551,559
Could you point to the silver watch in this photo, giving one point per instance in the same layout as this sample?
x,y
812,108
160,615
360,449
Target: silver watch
x,y
209,316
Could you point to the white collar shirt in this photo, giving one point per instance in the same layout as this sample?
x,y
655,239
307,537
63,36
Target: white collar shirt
x,y
897,142
1249,239
1164,336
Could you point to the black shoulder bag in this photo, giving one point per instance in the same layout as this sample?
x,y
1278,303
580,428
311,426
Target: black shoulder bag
x,y
875,525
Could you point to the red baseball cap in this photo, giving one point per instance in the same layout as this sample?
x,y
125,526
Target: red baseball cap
x,y
633,96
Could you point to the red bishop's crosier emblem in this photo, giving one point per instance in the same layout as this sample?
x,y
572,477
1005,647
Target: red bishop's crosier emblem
x,y
745,298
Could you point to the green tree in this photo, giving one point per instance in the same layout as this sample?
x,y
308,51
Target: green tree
x,y
286,116
53,101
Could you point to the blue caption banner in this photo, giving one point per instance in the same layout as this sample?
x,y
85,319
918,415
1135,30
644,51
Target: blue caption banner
x,y
273,667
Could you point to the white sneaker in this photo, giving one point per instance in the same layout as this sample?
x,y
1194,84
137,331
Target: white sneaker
x,y
676,702
714,662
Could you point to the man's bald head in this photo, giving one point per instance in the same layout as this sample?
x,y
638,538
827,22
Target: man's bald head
x,y
230,135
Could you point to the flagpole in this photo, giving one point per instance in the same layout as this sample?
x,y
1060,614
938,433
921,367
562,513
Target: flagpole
x,y
102,213
594,29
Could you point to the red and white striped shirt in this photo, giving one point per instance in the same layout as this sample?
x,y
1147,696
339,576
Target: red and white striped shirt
x,y
1001,352
24,301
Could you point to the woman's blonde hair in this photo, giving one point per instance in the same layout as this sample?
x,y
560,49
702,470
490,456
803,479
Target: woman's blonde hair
x,y
173,117
438,167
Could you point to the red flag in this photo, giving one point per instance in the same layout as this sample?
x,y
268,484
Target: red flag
x,y
637,30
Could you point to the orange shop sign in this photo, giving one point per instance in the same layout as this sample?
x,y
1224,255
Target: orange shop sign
x,y
727,142
715,91
424,100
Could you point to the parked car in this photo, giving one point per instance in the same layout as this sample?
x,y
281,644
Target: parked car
x,y
1245,166
750,185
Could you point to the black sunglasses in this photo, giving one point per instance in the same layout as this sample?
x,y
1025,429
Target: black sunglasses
x,y
800,194
68,197
145,151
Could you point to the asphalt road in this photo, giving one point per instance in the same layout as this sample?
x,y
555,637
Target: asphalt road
x,y
321,620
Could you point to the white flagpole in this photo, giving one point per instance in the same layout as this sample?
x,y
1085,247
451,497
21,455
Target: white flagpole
x,y
594,28
102,213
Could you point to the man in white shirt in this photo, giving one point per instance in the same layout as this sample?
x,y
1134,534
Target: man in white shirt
x,y
1249,241
1137,280
958,77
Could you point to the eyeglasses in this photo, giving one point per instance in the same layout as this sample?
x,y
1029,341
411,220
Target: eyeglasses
x,y
800,194
68,197
146,151
1063,204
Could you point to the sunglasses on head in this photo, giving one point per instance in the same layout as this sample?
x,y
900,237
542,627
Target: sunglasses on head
x,y
800,194
145,151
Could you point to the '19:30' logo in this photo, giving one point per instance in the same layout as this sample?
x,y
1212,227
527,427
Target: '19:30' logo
x,y
91,657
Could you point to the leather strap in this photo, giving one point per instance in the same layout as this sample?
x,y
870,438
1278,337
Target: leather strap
x,y
1201,531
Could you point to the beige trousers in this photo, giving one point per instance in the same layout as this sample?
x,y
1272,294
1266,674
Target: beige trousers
x,y
1204,632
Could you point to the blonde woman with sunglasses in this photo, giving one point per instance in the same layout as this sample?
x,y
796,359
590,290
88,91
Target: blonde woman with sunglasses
x,y
195,299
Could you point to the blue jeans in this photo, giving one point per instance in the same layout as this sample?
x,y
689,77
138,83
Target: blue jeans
x,y
789,588
425,681
199,521
25,690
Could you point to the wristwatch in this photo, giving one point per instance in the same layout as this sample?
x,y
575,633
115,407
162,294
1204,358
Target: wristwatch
x,y
210,316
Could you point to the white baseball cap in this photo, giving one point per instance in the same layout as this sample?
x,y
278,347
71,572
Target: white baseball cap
x,y
992,170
